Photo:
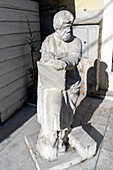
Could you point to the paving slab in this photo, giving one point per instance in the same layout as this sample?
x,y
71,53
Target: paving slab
x,y
107,103
92,100
81,111
75,167
101,111
108,141
110,124
95,134
98,128
98,115
28,165
105,161
100,120
14,125
14,154
88,164
32,127
111,114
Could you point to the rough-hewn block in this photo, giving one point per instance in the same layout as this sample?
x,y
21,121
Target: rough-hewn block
x,y
82,142
51,78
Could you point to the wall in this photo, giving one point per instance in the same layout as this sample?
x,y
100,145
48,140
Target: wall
x,y
87,26
106,73
90,5
89,14
70,5
14,53
89,9
58,4
89,37
48,9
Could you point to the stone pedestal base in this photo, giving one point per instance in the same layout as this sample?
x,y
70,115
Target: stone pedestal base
x,y
84,144
67,160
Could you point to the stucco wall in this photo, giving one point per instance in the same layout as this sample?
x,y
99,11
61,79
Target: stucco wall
x,y
91,5
89,8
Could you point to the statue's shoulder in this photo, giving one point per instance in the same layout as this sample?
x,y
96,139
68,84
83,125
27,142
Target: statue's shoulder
x,y
77,40
49,38
76,43
48,43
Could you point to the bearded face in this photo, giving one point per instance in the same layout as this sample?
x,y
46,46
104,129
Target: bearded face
x,y
65,32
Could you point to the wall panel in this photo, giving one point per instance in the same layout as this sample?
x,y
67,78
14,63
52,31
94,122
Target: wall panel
x,y
15,56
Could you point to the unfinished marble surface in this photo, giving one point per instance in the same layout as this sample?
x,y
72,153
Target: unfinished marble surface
x,y
82,142
58,86
58,91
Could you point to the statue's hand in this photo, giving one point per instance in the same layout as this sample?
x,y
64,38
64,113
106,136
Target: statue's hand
x,y
57,64
47,56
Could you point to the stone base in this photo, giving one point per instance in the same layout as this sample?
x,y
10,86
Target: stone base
x,y
84,144
69,159
85,148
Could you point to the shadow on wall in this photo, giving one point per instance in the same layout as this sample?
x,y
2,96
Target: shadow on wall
x,y
92,79
103,77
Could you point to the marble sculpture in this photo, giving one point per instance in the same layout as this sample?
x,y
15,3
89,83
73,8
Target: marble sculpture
x,y
58,87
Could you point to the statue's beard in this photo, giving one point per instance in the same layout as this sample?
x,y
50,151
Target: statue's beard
x,y
66,37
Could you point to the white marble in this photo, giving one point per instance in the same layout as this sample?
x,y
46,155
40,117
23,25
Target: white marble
x,y
58,91
58,86
82,142
70,158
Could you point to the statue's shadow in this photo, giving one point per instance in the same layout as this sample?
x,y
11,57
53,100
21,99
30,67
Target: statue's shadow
x,y
87,107
84,113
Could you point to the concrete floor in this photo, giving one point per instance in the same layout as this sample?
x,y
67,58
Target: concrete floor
x,y
98,113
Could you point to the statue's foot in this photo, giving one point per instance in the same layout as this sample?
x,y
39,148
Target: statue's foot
x,y
46,151
50,147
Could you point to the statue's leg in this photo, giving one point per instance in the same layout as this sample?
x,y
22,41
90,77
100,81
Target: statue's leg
x,y
50,140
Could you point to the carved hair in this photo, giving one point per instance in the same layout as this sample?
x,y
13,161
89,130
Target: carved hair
x,y
62,17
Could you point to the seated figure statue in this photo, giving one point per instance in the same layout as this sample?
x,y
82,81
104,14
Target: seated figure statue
x,y
60,55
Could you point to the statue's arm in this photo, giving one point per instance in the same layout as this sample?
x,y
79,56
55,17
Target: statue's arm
x,y
72,60
49,58
46,54
74,56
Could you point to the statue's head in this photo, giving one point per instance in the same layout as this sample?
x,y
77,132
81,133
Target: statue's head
x,y
62,23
